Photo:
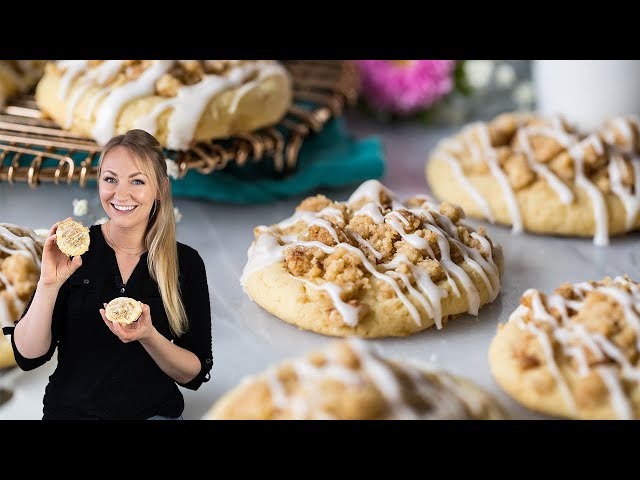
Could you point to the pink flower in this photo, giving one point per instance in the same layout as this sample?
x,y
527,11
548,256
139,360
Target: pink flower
x,y
405,86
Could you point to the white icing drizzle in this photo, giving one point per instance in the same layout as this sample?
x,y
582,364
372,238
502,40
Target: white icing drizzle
x,y
106,71
551,364
100,75
73,102
415,293
327,226
367,244
110,109
93,101
618,398
73,69
448,149
630,200
468,186
267,250
372,189
265,71
187,105
496,171
371,210
23,245
413,239
564,193
348,312
263,252
191,100
601,216
568,332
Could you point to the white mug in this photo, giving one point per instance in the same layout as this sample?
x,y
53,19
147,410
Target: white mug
x,y
587,92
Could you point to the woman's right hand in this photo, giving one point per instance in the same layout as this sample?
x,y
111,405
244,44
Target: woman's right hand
x,y
56,266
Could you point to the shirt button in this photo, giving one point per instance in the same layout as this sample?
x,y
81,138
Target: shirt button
x,y
86,281
122,290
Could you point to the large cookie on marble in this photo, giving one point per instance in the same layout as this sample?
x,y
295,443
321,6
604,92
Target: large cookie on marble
x,y
372,266
347,380
541,175
573,353
177,101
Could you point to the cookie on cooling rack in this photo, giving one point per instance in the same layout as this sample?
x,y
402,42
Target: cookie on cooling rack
x,y
542,175
123,310
18,76
177,101
348,380
72,238
574,353
372,266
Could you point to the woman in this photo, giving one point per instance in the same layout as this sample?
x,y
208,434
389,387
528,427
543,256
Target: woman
x,y
105,370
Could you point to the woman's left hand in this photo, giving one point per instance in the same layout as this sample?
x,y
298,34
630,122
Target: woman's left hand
x,y
140,330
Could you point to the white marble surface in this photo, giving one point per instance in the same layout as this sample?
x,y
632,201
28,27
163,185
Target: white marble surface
x,y
246,339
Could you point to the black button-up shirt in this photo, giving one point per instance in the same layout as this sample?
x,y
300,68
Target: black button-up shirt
x,y
99,376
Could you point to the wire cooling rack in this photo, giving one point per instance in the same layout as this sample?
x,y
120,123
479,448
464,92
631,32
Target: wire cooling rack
x,y
35,149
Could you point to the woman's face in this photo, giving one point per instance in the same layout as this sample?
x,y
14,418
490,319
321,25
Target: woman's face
x,y
126,194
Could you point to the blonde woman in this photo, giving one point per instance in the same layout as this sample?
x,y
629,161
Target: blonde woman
x,y
105,370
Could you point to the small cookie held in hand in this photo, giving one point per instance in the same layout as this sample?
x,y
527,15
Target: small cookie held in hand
x,y
123,310
72,238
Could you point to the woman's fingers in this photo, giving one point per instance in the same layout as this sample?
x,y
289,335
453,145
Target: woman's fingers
x,y
51,239
53,228
76,263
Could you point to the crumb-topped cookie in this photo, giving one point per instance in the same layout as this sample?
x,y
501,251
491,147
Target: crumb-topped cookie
x,y
20,257
541,175
372,266
574,353
123,310
177,101
18,76
72,238
348,380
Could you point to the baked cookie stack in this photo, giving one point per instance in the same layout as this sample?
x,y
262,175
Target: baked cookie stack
x,y
177,101
372,266
541,175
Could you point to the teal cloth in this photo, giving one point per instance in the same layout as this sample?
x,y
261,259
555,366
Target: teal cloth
x,y
330,158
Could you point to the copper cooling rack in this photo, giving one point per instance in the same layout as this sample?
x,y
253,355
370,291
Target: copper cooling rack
x,y
34,149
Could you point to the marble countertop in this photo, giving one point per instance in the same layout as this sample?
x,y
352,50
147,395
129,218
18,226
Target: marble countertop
x,y
246,339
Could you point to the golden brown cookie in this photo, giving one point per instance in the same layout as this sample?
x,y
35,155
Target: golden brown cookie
x,y
18,76
177,101
372,266
20,257
574,353
348,380
123,310
72,238
541,175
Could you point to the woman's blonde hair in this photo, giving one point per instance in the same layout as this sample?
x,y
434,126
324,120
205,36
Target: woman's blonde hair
x,y
160,236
